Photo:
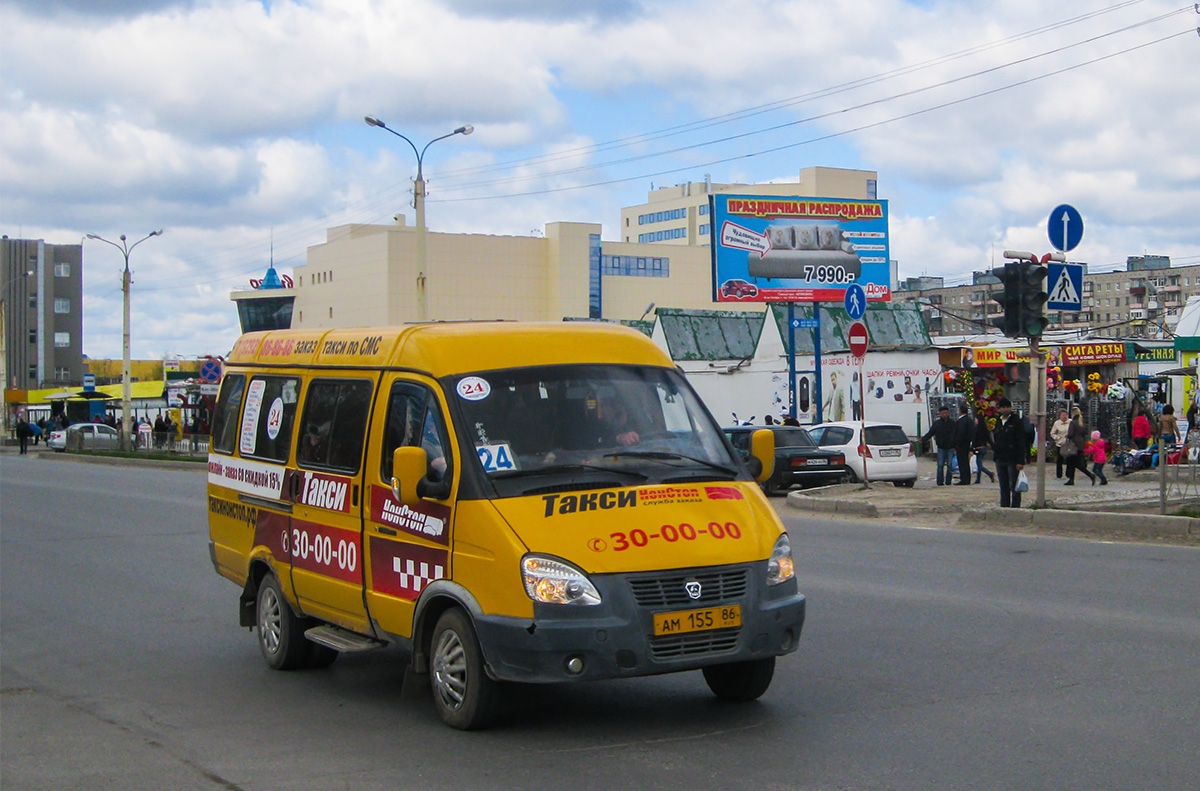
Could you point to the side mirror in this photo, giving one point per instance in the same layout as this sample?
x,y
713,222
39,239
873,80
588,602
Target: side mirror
x,y
408,468
410,479
762,450
754,465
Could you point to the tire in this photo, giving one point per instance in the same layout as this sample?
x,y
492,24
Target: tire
x,y
851,477
740,681
280,632
907,484
464,696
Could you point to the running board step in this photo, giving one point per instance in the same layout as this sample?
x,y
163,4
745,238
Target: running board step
x,y
341,640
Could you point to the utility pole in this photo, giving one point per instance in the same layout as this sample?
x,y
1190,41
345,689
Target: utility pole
x,y
126,378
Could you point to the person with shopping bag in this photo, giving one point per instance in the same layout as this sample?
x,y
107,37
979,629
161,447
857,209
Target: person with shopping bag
x,y
1012,441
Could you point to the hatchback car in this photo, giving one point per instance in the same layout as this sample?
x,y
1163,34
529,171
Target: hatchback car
x,y
885,454
85,436
798,459
738,289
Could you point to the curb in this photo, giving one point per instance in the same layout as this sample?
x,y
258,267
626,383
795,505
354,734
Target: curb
x,y
1086,522
198,466
804,503
1050,520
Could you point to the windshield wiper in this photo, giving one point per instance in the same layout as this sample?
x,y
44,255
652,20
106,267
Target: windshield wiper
x,y
555,469
659,455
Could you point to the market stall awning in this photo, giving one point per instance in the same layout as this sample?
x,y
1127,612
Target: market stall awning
x,y
1187,370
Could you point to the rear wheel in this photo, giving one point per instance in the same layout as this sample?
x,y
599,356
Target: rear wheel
x,y
908,484
280,632
463,694
740,681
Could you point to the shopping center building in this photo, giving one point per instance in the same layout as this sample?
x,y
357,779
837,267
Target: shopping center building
x,y
370,274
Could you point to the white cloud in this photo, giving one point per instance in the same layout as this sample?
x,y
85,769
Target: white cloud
x,y
231,121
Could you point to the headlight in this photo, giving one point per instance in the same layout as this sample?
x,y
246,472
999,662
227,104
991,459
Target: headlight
x,y
551,581
780,567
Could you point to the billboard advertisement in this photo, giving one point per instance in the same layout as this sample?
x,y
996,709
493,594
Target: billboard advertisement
x,y
794,249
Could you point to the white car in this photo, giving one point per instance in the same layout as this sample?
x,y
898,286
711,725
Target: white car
x,y
92,436
886,455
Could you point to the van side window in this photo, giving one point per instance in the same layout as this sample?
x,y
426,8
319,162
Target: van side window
x,y
266,427
414,419
335,419
225,417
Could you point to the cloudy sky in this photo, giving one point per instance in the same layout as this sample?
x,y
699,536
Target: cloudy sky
x,y
235,124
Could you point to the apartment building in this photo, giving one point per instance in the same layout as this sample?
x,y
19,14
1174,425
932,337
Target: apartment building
x,y
41,313
1140,301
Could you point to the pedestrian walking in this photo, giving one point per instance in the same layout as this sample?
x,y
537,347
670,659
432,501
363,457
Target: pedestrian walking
x,y
1012,439
1076,442
964,436
980,444
1098,453
944,433
1058,435
23,435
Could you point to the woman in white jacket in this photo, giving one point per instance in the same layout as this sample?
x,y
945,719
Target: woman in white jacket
x,y
1058,435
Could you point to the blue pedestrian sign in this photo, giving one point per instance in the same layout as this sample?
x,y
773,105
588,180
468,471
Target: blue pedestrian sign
x,y
1064,286
856,301
1065,228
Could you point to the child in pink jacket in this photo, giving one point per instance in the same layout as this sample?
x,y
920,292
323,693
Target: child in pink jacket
x,y
1095,450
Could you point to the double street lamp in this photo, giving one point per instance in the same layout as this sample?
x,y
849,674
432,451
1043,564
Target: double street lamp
x,y
419,202
126,396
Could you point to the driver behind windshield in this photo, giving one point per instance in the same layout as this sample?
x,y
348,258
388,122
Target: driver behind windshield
x,y
614,424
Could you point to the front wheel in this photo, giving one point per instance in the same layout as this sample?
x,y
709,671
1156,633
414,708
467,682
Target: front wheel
x,y
463,694
280,632
740,681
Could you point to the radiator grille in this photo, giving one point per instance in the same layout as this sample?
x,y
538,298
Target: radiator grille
x,y
696,644
667,590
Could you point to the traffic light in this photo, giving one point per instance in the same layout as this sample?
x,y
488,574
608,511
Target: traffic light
x,y
1009,276
1033,298
1022,299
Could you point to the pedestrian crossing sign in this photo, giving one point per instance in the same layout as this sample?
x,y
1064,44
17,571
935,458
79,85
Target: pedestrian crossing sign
x,y
1064,286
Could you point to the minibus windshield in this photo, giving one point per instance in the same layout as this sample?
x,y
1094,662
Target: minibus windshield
x,y
604,424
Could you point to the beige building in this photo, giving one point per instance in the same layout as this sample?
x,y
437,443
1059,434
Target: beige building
x,y
368,274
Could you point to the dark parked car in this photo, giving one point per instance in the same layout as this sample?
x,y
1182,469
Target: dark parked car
x,y
798,459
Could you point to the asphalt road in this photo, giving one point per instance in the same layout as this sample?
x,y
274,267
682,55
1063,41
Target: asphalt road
x,y
932,659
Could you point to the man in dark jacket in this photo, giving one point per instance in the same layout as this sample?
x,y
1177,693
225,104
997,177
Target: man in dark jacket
x,y
945,435
964,435
1012,439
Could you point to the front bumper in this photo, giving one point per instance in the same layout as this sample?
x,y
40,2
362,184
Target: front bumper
x,y
615,639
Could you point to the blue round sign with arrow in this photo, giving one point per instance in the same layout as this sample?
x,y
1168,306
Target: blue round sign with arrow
x,y
1065,227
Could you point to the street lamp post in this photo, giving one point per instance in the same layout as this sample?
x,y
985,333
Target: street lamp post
x,y
126,395
419,202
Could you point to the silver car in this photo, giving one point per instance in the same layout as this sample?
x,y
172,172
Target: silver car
x,y
85,436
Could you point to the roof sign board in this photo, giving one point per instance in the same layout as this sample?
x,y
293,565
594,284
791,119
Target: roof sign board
x,y
796,249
